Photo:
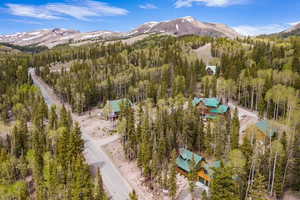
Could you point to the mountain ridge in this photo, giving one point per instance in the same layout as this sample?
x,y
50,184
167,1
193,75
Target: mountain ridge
x,y
178,27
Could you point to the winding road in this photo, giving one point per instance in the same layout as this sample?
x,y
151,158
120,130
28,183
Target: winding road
x,y
115,183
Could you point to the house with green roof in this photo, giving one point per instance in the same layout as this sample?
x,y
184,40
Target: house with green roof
x,y
221,109
185,158
262,130
210,107
113,108
204,169
266,127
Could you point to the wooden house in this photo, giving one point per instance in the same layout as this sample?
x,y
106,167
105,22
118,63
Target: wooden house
x,y
204,169
210,107
262,130
113,108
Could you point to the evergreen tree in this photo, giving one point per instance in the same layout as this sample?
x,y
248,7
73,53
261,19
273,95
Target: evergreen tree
x,y
53,124
133,195
235,129
99,193
192,177
172,182
223,186
258,190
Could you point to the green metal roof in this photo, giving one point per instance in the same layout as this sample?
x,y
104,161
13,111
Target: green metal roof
x,y
266,127
210,102
196,101
210,165
185,158
220,110
116,104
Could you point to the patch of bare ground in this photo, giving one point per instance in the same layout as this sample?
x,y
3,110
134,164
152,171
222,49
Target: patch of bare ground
x,y
94,124
204,53
291,195
132,173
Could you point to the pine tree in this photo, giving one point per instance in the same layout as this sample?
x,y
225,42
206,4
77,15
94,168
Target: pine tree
x,y
133,195
76,142
64,118
172,182
99,193
258,190
81,186
53,118
235,129
192,177
223,186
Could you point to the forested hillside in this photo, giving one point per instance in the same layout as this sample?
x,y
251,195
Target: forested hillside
x,y
160,75
41,157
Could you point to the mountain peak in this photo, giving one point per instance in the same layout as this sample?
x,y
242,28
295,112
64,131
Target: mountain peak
x,y
186,26
188,18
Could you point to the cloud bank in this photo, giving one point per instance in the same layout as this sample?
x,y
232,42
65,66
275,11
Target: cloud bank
x,y
209,3
80,10
148,6
259,30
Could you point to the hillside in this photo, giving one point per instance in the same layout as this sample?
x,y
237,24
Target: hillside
x,y
54,37
178,27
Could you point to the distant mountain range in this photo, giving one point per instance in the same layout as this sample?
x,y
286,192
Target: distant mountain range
x,y
294,30
180,26
177,27
53,37
186,26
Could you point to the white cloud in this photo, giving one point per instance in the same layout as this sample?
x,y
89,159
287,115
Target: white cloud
x,y
148,6
294,23
25,21
258,30
30,11
77,9
209,3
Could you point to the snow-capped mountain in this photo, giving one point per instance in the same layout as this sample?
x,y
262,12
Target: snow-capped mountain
x,y
294,30
186,26
180,26
53,37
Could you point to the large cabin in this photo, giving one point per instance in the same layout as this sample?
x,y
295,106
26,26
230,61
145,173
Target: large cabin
x,y
210,107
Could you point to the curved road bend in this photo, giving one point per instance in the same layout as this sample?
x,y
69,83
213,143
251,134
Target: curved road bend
x,y
116,184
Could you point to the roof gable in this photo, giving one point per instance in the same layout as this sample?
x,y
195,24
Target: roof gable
x,y
266,127
210,102
185,158
220,110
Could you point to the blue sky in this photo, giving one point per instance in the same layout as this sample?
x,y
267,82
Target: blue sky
x,y
249,17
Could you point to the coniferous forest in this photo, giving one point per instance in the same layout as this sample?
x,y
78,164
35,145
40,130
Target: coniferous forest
x,y
42,156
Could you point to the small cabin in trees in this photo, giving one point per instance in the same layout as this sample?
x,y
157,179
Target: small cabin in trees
x,y
262,130
204,169
210,107
113,108
211,70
